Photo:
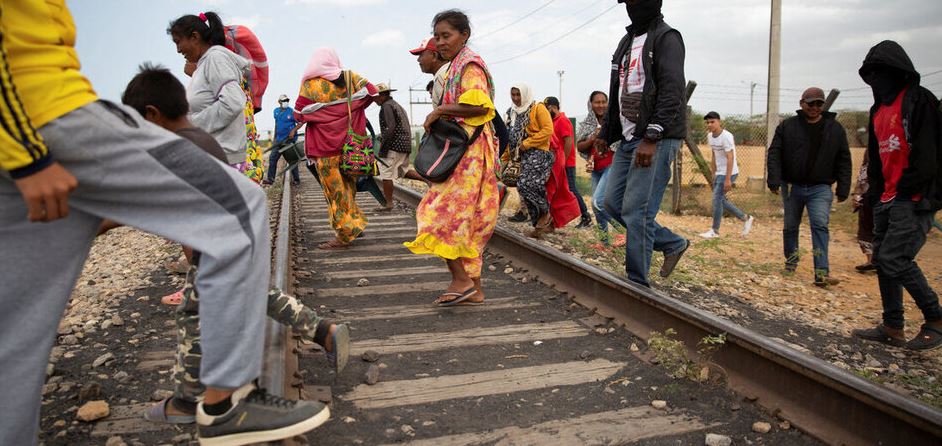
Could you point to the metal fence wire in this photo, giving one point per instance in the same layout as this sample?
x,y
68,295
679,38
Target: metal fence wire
x,y
690,192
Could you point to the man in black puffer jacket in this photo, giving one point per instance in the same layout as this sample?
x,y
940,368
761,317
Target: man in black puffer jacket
x,y
808,154
647,116
905,173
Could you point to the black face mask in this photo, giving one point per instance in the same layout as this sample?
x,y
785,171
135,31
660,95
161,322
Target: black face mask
x,y
885,82
642,13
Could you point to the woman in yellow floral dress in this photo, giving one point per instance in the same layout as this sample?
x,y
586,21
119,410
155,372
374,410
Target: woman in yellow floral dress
x,y
457,217
331,101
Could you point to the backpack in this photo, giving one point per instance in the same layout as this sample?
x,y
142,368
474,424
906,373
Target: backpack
x,y
242,41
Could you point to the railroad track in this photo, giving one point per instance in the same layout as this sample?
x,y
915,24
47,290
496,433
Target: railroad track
x,y
548,360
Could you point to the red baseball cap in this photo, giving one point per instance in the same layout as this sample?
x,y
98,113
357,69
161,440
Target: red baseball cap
x,y
428,43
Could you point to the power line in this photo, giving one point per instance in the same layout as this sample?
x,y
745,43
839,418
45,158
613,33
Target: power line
x,y
515,21
561,37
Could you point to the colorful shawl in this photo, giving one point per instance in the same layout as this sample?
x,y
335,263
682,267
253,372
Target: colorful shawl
x,y
453,83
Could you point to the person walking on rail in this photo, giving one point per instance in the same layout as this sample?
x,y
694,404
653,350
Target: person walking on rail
x,y
725,170
56,144
563,131
649,118
905,172
219,96
457,217
286,131
395,144
597,160
330,108
531,130
161,99
808,154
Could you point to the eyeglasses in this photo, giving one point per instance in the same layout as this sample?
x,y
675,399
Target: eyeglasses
x,y
284,101
815,104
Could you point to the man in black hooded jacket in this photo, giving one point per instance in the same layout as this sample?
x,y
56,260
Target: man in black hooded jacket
x,y
905,173
647,116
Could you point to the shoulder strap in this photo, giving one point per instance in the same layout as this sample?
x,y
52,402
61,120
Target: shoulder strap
x,y
346,80
474,136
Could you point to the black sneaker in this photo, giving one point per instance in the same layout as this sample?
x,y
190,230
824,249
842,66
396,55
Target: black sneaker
x,y
929,338
881,334
519,217
670,261
258,417
586,222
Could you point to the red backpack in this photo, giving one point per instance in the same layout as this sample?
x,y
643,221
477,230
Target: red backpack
x,y
242,41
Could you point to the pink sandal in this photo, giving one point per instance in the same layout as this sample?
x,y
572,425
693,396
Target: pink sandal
x,y
173,299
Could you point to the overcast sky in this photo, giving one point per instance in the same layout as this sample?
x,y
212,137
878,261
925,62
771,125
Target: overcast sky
x,y
823,44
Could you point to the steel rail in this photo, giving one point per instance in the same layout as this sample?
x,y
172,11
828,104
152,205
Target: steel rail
x,y
822,400
276,335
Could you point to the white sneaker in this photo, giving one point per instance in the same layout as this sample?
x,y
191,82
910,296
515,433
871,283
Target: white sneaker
x,y
747,226
710,234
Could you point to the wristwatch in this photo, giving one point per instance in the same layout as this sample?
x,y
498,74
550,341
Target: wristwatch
x,y
652,134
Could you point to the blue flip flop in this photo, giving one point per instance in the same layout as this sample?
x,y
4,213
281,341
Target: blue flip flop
x,y
461,297
158,414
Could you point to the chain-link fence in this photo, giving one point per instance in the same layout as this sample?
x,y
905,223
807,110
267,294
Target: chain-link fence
x,y
694,194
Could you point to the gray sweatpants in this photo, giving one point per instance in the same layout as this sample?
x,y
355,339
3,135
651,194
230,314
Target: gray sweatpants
x,y
140,175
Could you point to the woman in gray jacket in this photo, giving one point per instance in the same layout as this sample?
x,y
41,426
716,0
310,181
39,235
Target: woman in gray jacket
x,y
217,100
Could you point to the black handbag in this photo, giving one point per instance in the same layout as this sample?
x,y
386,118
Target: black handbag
x,y
441,149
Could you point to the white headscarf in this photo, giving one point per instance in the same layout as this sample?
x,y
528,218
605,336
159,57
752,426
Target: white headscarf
x,y
526,100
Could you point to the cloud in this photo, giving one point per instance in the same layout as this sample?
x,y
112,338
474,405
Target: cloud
x,y
386,37
250,21
348,3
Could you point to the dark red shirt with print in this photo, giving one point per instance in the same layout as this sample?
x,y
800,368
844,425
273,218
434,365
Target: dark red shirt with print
x,y
894,149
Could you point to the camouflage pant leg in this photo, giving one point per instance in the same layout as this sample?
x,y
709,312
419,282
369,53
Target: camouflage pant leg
x,y
186,371
288,310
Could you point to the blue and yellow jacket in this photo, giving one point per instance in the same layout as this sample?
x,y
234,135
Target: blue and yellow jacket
x,y
39,79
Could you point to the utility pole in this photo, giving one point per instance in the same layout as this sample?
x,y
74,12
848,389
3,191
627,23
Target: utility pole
x,y
560,97
775,62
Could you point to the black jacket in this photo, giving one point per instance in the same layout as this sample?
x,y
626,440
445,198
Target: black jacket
x,y
662,104
922,122
790,158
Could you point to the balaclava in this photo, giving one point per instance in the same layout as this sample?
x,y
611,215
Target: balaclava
x,y
642,13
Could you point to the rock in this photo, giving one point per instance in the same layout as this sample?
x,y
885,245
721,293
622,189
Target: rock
x,y
89,391
633,348
135,315
704,374
49,388
717,440
69,340
659,404
161,394
370,356
785,425
585,355
372,375
761,427
508,270
182,438
106,325
102,360
121,377
59,424
93,410
363,282
408,430
50,369
64,328
117,321
872,362
491,268
115,441
349,420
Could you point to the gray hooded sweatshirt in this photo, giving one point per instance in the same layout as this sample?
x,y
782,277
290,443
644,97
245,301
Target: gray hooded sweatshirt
x,y
217,101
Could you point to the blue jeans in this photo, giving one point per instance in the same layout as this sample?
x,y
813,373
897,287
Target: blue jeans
x,y
273,167
720,202
817,198
633,198
599,183
571,178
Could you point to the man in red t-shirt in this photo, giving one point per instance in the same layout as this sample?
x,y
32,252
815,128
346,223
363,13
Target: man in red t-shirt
x,y
565,135
905,173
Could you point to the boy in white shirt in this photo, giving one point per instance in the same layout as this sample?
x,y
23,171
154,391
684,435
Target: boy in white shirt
x,y
725,171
